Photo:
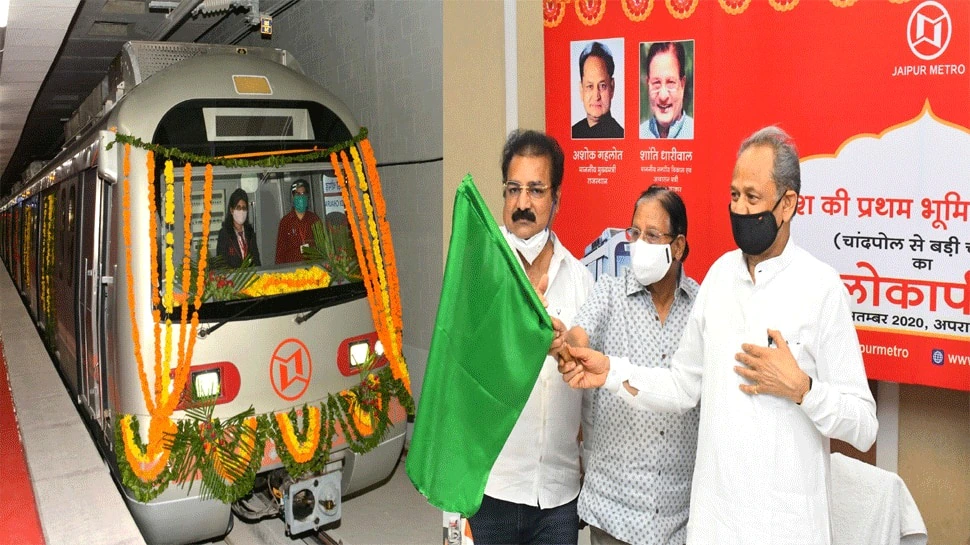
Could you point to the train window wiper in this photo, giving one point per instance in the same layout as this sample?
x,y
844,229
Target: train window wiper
x,y
205,331
329,300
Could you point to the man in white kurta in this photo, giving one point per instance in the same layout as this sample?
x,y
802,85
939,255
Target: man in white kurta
x,y
771,353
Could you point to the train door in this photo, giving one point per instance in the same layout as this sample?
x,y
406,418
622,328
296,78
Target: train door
x,y
92,287
65,283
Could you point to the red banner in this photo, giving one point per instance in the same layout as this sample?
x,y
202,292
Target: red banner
x,y
876,94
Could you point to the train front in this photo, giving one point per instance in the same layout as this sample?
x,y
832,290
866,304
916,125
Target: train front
x,y
253,369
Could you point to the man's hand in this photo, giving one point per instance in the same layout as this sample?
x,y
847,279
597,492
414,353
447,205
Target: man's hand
x,y
540,288
771,370
583,367
558,337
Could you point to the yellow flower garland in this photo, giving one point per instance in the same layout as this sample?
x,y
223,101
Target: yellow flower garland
x,y
244,451
148,462
286,282
301,451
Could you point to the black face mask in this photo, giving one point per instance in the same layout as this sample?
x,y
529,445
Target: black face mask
x,y
754,233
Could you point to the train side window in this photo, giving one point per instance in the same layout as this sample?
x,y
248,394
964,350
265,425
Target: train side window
x,y
71,202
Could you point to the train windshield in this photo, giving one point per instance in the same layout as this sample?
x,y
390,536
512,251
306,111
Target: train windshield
x,y
279,240
278,237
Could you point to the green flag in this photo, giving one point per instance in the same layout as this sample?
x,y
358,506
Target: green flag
x,y
490,339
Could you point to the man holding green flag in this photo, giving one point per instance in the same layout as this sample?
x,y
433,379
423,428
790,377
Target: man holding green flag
x,y
494,418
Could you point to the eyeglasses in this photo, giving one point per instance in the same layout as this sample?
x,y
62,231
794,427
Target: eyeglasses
x,y
650,235
514,189
671,86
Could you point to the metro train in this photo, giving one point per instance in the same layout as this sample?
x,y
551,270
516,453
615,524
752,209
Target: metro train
x,y
77,238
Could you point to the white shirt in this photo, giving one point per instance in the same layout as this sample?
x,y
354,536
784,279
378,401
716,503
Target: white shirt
x,y
762,469
539,464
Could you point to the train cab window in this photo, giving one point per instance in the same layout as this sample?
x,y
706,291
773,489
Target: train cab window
x,y
271,233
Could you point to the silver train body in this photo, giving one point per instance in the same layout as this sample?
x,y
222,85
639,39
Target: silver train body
x,y
174,95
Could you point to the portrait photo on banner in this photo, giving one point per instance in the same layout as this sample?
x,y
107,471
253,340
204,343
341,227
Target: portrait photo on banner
x,y
597,83
667,89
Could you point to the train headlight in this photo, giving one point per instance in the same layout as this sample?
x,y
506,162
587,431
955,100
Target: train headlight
x,y
206,384
379,348
358,353
216,382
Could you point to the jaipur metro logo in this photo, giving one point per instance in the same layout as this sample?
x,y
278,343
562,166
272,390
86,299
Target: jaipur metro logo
x,y
929,30
290,369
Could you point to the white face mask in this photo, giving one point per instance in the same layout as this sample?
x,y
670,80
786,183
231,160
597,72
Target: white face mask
x,y
649,262
239,216
530,248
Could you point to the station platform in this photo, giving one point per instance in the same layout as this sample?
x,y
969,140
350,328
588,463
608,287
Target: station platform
x,y
55,487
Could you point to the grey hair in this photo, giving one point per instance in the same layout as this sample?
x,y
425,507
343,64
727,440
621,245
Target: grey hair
x,y
786,170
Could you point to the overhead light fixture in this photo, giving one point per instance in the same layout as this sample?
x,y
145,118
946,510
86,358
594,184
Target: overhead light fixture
x,y
4,11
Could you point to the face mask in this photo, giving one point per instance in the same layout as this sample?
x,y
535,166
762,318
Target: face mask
x,y
754,233
529,248
649,262
300,203
239,216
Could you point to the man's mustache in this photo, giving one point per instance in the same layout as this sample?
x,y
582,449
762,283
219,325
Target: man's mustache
x,y
525,214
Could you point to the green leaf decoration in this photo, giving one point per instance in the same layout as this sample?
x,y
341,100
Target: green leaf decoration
x,y
272,161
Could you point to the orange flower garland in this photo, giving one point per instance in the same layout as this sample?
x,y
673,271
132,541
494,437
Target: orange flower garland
x,y
380,277
355,211
393,288
301,451
153,245
287,282
149,461
245,451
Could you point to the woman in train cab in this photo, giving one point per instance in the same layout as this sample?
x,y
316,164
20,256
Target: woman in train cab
x,y
237,238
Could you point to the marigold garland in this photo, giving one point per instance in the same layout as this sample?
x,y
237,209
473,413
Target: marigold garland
x,y
394,308
365,254
365,204
47,267
245,448
302,449
147,461
186,256
286,282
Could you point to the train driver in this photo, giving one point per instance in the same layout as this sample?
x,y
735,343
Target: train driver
x,y
296,228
